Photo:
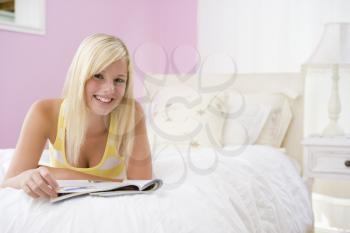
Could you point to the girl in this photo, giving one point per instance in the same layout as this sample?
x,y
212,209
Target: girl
x,y
96,132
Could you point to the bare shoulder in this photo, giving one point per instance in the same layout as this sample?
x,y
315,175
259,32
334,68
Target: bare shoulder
x,y
47,108
45,112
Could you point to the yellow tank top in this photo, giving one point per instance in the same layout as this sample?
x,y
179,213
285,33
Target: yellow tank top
x,y
111,165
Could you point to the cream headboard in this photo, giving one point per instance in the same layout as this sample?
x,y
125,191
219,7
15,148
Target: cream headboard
x,y
265,82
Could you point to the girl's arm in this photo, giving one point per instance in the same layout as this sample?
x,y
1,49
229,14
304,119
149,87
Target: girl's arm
x,y
24,172
140,161
31,142
41,181
68,174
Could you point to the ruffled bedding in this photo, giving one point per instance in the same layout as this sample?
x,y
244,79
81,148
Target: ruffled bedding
x,y
257,189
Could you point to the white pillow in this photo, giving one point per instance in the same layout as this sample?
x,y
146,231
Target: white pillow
x,y
180,115
256,118
245,119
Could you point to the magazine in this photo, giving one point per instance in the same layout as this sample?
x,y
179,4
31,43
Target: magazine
x,y
73,188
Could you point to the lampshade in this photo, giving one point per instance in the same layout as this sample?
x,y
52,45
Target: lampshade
x,y
334,46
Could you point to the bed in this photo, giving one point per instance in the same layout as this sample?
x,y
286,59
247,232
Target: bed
x,y
214,181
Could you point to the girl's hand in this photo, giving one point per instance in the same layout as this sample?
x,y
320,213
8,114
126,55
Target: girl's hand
x,y
39,183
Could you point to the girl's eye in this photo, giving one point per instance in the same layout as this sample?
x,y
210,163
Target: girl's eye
x,y
98,76
119,80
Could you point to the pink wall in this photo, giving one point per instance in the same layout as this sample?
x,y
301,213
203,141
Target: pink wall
x,y
34,67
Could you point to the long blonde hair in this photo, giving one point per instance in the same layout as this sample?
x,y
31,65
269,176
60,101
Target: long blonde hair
x,y
94,54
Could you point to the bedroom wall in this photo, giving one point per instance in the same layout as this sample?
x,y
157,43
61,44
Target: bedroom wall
x,y
34,67
264,36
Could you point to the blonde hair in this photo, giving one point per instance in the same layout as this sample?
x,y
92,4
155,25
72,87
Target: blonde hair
x,y
94,54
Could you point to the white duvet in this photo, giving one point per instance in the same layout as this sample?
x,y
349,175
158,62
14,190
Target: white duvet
x,y
258,190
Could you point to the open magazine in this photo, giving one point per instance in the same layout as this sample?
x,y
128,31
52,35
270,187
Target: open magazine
x,y
72,188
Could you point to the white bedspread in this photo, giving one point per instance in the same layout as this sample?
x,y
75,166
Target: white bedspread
x,y
257,191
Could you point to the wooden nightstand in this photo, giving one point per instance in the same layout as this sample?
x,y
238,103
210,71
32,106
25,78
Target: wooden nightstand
x,y
326,157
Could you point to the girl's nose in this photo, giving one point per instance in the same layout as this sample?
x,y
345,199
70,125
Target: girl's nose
x,y
109,86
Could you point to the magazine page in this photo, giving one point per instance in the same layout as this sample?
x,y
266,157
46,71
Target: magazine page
x,y
138,183
145,187
73,188
117,193
146,184
77,186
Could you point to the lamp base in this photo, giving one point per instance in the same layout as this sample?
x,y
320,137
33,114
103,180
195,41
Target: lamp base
x,y
333,129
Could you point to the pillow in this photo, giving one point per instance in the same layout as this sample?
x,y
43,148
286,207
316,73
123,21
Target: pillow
x,y
181,115
246,127
256,118
277,124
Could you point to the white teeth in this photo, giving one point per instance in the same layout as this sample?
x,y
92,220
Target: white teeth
x,y
103,99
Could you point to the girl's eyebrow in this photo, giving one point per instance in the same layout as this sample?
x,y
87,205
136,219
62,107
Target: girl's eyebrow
x,y
121,76
117,76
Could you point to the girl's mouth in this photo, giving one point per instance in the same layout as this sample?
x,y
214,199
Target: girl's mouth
x,y
103,99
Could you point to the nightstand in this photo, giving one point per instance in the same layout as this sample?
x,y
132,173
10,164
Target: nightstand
x,y
326,157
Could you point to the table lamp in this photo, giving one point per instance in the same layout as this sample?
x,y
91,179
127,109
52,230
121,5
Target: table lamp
x,y
332,52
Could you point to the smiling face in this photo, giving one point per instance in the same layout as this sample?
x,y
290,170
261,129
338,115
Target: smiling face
x,y
105,90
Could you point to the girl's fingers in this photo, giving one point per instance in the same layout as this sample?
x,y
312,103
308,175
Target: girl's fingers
x,y
35,188
43,186
45,173
28,191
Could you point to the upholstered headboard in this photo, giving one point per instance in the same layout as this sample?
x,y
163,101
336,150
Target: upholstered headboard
x,y
290,83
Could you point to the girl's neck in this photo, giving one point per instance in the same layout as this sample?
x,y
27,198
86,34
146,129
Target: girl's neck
x,y
97,125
